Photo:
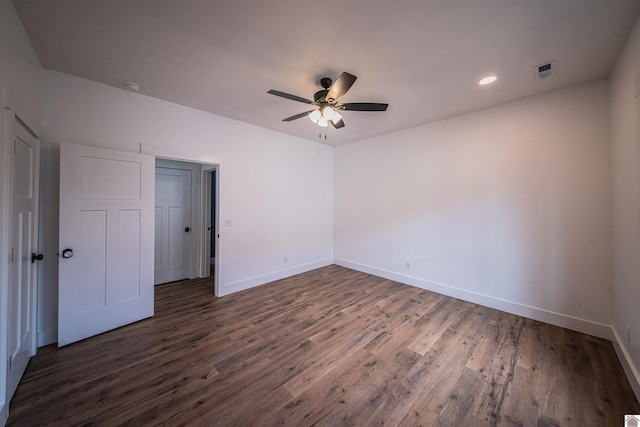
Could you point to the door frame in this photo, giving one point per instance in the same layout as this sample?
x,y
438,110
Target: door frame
x,y
206,163
32,346
12,108
206,221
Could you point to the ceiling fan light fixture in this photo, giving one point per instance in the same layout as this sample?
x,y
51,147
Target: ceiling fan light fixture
x,y
315,115
336,117
328,113
322,122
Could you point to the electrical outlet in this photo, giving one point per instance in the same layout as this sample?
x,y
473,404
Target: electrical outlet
x,y
407,265
628,334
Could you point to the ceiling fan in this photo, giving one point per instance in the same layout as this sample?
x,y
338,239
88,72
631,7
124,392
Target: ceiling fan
x,y
326,101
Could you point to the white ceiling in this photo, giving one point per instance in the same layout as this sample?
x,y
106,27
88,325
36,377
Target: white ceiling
x,y
423,57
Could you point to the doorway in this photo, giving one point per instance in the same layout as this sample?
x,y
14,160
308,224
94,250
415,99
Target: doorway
x,y
186,220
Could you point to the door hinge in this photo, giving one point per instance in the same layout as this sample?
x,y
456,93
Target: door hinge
x,y
11,254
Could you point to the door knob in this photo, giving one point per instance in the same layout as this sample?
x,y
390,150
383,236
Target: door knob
x,y
67,253
187,229
36,257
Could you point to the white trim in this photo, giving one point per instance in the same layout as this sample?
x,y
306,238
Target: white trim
x,y
218,244
12,102
5,191
176,153
242,285
36,244
627,363
535,313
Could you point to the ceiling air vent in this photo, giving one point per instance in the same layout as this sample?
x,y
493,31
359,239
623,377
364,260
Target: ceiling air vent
x,y
544,70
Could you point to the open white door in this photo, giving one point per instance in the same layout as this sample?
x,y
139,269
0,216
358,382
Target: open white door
x,y
106,256
22,266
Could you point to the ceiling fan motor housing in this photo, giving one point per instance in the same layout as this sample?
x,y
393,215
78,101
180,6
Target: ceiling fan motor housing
x,y
320,96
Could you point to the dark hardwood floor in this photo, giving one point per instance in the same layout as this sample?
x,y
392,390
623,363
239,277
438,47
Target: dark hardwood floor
x,y
330,347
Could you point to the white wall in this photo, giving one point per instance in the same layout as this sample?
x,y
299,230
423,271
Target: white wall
x,y
625,140
20,91
277,190
508,207
19,65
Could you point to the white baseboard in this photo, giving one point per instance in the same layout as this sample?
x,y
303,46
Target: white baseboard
x,y
229,288
48,336
540,314
627,363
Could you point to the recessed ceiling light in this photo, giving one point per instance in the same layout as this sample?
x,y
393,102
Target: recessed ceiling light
x,y
487,80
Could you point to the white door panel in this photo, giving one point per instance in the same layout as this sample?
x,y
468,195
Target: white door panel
x,y
22,271
106,219
173,217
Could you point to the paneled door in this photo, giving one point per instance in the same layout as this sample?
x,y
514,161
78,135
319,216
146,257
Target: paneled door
x,y
22,265
106,240
173,224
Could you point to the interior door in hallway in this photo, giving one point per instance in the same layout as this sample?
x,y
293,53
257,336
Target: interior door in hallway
x,y
172,224
22,266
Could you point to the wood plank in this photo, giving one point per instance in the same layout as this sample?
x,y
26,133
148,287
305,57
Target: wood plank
x,y
329,347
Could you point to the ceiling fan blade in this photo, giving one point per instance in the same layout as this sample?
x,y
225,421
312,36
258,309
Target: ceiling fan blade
x,y
297,116
289,96
338,125
340,87
363,106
